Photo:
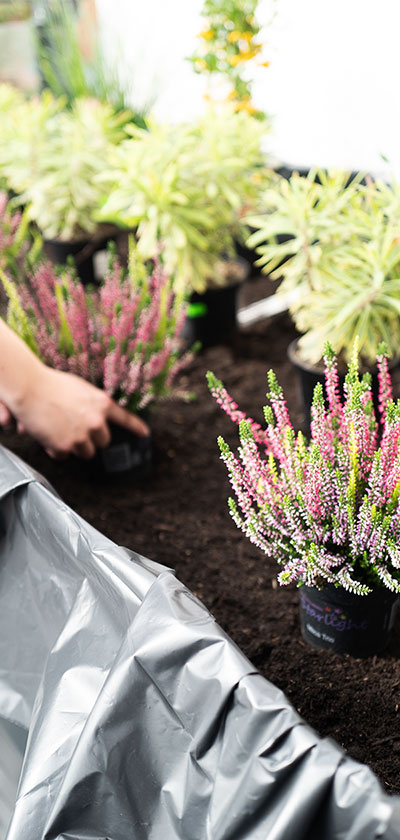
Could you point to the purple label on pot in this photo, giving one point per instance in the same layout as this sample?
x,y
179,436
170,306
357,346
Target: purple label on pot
x,y
333,617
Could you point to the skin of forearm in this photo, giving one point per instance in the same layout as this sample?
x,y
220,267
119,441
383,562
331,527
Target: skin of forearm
x,y
19,369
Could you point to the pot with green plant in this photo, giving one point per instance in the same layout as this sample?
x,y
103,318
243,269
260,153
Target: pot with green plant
x,y
189,185
339,264
328,510
52,171
123,337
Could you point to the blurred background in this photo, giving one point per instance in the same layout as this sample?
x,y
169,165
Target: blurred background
x,y
331,87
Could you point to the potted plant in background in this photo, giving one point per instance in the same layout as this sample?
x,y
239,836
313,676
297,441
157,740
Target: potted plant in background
x,y
188,185
23,124
327,511
123,336
49,158
335,245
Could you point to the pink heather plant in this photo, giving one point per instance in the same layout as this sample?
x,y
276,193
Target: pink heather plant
x,y
329,510
123,337
14,238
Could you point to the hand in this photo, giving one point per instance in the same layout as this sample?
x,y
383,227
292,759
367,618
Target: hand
x,y
68,415
5,415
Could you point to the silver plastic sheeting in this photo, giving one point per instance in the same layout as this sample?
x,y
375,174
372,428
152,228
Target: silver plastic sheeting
x,y
145,721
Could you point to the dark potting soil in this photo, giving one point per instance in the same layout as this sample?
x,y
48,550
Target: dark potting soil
x,y
178,516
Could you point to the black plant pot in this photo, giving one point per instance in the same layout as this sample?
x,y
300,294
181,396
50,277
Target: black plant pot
x,y
211,317
334,619
309,375
83,251
127,458
286,171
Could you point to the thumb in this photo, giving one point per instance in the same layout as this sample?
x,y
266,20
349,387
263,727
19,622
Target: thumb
x,y
128,420
5,415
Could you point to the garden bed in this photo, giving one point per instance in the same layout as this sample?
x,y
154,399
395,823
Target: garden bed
x,y
179,517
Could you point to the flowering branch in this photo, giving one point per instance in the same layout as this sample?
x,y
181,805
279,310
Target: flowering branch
x,y
124,337
327,510
15,241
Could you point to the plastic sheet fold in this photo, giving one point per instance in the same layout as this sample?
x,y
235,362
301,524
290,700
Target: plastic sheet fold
x,y
145,720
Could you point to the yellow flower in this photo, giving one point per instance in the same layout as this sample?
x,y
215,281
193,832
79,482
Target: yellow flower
x,y
247,55
256,48
245,105
234,60
264,64
207,35
247,36
234,36
201,64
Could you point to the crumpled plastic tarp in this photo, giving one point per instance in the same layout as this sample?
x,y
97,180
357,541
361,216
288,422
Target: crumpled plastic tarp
x,y
145,720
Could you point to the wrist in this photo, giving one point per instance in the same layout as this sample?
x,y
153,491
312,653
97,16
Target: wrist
x,y
18,391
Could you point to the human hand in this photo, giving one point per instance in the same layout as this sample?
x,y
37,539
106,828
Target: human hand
x,y
67,415
5,415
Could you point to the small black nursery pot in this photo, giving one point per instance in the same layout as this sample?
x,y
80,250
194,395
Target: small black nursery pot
x,y
334,619
212,315
128,457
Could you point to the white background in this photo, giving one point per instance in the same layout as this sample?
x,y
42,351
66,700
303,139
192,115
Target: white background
x,y
332,87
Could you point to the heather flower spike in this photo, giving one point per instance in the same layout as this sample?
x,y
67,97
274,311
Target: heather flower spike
x,y
123,337
327,510
16,243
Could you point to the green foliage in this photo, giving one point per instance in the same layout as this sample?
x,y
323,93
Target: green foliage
x,y
10,97
16,315
19,246
187,185
50,158
64,67
23,132
335,244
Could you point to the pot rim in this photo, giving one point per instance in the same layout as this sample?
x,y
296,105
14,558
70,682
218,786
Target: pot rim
x,y
342,594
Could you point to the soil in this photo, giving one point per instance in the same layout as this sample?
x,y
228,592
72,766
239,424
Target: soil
x,y
178,516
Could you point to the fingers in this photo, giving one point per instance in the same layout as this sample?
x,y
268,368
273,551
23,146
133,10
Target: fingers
x,y
128,420
97,438
84,450
5,415
101,437
56,454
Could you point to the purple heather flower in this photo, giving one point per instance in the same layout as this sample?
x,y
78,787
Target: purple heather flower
x,y
327,510
123,337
